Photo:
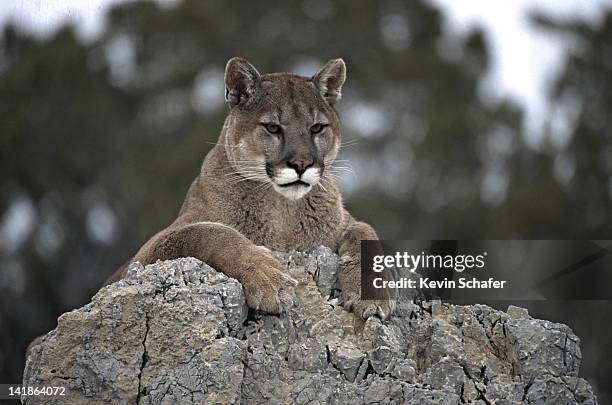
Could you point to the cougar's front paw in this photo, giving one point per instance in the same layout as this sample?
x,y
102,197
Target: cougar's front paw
x,y
368,308
351,300
267,285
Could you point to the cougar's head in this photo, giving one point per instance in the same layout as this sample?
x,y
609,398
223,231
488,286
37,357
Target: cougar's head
x,y
282,129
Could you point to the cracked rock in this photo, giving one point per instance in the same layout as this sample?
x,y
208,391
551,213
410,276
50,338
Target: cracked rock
x,y
180,332
347,359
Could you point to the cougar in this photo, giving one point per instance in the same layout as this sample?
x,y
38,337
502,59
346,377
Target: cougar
x,y
268,184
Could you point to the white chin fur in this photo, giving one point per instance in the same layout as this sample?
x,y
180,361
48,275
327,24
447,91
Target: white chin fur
x,y
286,176
293,192
311,175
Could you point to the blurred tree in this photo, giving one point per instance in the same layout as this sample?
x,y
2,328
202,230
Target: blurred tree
x,y
580,149
581,128
57,136
100,141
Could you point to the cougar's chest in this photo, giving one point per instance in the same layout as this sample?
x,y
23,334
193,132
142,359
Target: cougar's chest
x,y
282,226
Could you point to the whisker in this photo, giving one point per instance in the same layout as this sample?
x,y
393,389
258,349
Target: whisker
x,y
263,186
248,160
331,162
349,143
327,182
236,181
220,144
341,166
249,165
342,171
245,181
246,178
243,174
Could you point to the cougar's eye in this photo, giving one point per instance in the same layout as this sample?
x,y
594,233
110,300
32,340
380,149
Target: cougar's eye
x,y
317,128
272,128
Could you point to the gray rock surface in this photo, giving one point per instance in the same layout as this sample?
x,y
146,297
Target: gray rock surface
x,y
178,332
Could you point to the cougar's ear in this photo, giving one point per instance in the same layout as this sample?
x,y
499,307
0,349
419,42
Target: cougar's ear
x,y
241,78
329,80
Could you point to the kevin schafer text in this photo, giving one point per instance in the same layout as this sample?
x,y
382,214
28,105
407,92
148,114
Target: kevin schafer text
x,y
426,282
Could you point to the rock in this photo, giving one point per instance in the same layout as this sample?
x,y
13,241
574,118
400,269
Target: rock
x,y
347,359
534,345
517,312
180,332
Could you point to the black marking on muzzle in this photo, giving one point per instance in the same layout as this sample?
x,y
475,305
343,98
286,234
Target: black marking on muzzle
x,y
295,183
269,169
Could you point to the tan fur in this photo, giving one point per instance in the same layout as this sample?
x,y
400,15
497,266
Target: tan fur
x,y
234,206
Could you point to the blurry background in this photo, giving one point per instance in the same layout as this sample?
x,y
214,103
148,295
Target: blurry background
x,y
490,120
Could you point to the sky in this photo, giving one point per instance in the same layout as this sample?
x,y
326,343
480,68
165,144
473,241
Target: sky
x,y
525,59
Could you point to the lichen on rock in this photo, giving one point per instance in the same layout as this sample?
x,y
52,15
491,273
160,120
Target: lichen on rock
x,y
180,332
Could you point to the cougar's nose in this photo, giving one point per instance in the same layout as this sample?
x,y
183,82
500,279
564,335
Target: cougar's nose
x,y
300,165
